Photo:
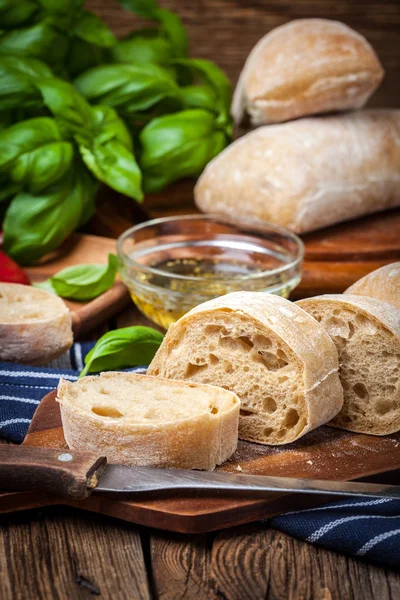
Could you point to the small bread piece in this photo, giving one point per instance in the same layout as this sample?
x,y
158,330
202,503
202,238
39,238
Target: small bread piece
x,y
147,421
35,325
305,67
383,284
308,174
366,332
278,360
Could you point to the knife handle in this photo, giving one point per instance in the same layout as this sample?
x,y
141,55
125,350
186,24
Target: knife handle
x,y
56,471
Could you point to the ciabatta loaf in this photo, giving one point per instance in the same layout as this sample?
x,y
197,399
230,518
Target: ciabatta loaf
x,y
35,325
305,67
309,173
272,354
366,332
143,421
383,284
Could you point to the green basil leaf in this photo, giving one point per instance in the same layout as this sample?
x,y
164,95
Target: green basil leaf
x,y
123,348
173,29
92,29
71,110
142,47
143,8
178,145
83,282
215,78
61,6
128,88
16,14
42,40
45,285
109,154
17,76
37,224
26,137
199,96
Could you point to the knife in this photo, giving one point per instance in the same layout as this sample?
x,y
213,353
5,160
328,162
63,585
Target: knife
x,y
76,475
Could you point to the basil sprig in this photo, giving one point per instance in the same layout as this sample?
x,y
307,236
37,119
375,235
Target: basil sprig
x,y
178,145
123,348
82,282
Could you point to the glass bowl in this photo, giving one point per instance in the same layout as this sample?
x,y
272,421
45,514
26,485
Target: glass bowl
x,y
172,264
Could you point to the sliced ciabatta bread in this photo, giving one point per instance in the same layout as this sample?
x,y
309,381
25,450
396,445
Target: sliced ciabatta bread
x,y
383,284
149,421
366,332
278,360
35,325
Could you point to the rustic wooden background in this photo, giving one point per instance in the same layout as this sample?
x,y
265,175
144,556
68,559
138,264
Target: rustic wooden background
x,y
226,30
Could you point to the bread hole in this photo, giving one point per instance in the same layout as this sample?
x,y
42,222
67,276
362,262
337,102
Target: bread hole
x,y
211,329
345,419
262,342
156,372
192,369
291,418
248,344
32,316
103,391
283,379
389,389
214,410
245,413
230,343
269,405
361,391
269,360
384,406
267,431
213,359
281,433
107,411
246,369
351,330
228,367
318,318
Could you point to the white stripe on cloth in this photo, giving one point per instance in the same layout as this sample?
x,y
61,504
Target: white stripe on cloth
x,y
16,399
78,356
330,507
11,421
376,540
319,533
39,375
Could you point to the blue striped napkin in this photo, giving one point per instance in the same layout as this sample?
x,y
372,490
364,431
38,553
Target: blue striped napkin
x,y
366,528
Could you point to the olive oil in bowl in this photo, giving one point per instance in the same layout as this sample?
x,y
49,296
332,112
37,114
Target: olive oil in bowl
x,y
171,265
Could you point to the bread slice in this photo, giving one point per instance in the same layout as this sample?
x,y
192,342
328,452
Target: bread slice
x,y
35,325
278,360
366,332
383,284
148,421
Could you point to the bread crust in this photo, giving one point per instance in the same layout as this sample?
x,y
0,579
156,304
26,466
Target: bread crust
x,y
382,284
200,441
306,67
384,318
309,173
37,339
309,342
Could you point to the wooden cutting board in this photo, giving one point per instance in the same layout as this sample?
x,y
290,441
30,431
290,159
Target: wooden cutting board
x,y
326,453
80,249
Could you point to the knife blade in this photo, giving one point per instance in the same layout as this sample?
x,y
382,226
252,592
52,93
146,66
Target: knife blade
x,y
77,474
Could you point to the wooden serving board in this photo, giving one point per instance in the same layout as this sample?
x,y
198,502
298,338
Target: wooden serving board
x,y
326,453
80,249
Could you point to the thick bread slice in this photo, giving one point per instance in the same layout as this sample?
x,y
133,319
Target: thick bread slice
x,y
149,421
366,332
35,325
277,359
305,67
308,174
383,284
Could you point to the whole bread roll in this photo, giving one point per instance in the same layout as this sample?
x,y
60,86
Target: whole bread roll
x,y
35,325
366,332
146,421
303,68
273,355
309,173
383,284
